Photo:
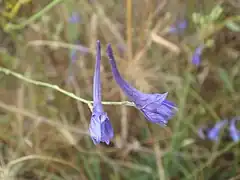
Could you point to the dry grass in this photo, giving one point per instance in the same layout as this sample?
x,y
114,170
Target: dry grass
x,y
44,133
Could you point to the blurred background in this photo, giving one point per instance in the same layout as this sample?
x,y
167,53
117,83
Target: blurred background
x,y
190,49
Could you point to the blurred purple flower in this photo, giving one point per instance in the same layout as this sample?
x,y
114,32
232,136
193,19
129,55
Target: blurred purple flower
x,y
213,133
74,18
100,126
179,27
121,49
201,133
234,132
196,58
73,55
155,107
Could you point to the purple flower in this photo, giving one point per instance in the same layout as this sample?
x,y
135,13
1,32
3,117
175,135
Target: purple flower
x,y
80,48
196,59
234,132
213,133
155,107
74,18
179,27
121,49
73,55
100,126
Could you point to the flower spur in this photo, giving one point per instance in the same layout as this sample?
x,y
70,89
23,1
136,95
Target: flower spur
x,y
155,107
100,126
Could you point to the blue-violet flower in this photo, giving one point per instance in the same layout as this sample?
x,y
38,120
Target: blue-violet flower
x,y
234,132
213,133
155,107
179,27
74,18
196,58
100,126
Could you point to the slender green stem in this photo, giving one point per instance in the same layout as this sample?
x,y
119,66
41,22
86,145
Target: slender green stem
x,y
57,88
33,18
211,159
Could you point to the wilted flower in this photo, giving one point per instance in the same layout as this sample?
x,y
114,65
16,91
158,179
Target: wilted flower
x,y
213,133
179,27
196,59
234,132
100,126
155,107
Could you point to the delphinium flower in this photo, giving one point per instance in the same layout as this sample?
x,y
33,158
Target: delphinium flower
x,y
234,132
155,107
179,27
100,126
74,18
196,58
213,133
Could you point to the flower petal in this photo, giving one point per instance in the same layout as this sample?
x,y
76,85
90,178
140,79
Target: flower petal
x,y
100,128
155,107
234,132
213,134
196,59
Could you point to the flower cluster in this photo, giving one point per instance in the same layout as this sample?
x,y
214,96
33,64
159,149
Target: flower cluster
x,y
214,132
155,107
179,27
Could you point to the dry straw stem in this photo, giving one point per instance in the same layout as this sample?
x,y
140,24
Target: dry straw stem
x,y
129,28
102,15
41,119
124,111
60,44
158,155
115,163
80,105
20,104
160,40
57,44
12,163
210,160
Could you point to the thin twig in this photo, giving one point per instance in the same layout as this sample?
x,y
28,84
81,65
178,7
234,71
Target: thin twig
x,y
129,28
160,40
39,157
33,18
40,119
159,162
57,88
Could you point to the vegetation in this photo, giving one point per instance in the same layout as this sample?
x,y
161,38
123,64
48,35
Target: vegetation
x,y
190,49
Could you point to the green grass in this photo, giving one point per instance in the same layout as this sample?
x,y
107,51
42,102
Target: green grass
x,y
45,98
